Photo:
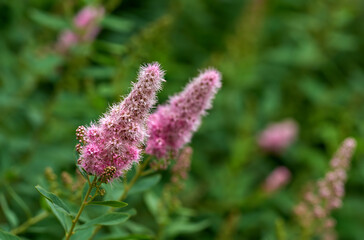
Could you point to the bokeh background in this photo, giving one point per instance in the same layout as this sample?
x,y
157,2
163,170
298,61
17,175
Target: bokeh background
x,y
279,59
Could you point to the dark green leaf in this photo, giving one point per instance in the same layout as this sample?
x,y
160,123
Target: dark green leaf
x,y
60,214
116,23
82,233
107,219
145,184
19,200
179,227
53,198
48,20
9,214
115,204
130,237
7,236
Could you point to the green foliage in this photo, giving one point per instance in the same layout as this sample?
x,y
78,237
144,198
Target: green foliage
x,y
115,204
279,59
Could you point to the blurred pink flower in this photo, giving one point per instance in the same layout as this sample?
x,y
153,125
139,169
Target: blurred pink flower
x,y
66,40
113,144
181,168
172,125
278,136
321,198
87,16
277,179
86,28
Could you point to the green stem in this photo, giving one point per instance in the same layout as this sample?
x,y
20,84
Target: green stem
x,y
127,187
84,203
30,222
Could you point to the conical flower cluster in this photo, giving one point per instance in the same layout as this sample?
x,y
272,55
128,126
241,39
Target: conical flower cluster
x,y
172,125
315,209
113,144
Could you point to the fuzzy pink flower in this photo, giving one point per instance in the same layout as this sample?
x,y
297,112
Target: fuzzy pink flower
x,y
113,144
278,136
277,179
326,195
172,125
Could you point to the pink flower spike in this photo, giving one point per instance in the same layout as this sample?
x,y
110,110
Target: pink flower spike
x,y
278,136
327,194
114,143
172,125
277,179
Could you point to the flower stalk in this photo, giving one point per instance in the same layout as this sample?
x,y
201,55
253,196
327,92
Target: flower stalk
x,y
84,203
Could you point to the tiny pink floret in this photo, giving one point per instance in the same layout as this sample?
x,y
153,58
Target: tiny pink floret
x,y
116,140
172,125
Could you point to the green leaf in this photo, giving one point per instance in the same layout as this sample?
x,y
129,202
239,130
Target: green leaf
x,y
182,226
9,214
82,234
19,200
152,202
116,23
130,237
145,184
60,214
116,204
7,236
51,21
54,199
106,220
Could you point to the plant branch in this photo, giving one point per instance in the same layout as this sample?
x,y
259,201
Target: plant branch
x,y
30,222
84,203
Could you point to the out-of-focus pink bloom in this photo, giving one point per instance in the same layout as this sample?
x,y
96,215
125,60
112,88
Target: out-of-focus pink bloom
x,y
313,212
66,40
172,125
277,179
113,144
86,28
278,136
182,167
87,16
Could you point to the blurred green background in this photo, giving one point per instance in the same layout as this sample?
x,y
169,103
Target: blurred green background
x,y
279,59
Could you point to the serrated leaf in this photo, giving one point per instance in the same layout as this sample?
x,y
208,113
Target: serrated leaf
x,y
145,183
115,204
7,236
60,214
106,220
54,199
